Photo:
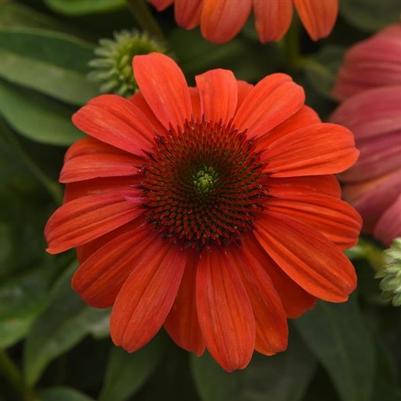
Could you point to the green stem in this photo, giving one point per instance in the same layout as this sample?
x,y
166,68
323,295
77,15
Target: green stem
x,y
145,19
11,373
52,187
291,45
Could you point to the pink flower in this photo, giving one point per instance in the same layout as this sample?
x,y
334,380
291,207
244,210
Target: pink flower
x,y
369,83
371,63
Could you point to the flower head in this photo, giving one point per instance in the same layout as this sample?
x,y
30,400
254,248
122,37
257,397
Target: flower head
x,y
212,211
370,83
221,20
112,67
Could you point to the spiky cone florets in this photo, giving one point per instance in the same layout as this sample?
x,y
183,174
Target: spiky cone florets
x,y
112,67
391,274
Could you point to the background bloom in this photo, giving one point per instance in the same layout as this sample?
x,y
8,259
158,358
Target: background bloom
x,y
211,210
221,20
370,83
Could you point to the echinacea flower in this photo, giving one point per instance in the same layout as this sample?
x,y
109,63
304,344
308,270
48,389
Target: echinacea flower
x,y
370,81
221,20
212,211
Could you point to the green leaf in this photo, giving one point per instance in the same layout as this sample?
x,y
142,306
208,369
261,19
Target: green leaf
x,y
62,394
80,7
127,373
386,384
339,338
36,116
371,15
321,69
21,300
65,322
14,14
284,377
53,63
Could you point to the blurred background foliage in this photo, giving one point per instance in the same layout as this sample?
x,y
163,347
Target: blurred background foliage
x,y
55,348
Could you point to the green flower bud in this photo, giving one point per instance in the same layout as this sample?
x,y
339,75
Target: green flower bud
x,y
390,275
112,66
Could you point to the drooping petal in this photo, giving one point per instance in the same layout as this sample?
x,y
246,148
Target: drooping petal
x,y
272,18
88,158
116,121
379,156
367,117
161,4
272,101
100,277
295,300
270,316
85,219
221,20
319,149
145,299
372,198
372,63
218,90
163,85
187,13
182,322
224,311
318,16
332,217
306,256
389,226
294,186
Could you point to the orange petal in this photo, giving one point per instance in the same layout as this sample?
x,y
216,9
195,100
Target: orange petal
x,y
221,20
273,100
182,322
145,299
294,186
319,149
335,219
270,316
306,256
161,4
85,219
218,90
100,277
154,124
224,311
88,158
301,119
243,90
116,121
196,104
318,16
98,186
272,18
296,301
163,85
187,13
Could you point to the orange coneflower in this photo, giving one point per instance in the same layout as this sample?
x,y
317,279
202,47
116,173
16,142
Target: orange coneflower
x,y
221,20
211,210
